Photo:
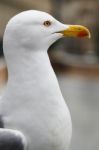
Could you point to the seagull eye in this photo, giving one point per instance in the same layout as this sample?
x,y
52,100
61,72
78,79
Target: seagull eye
x,y
47,23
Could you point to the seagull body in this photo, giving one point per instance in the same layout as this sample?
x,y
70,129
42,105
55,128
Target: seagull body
x,y
33,113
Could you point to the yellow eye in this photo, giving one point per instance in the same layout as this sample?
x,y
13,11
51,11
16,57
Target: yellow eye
x,y
47,23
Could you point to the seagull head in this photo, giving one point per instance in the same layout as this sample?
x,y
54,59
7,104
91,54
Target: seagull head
x,y
36,29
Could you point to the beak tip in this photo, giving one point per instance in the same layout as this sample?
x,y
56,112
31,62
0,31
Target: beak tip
x,y
84,32
89,36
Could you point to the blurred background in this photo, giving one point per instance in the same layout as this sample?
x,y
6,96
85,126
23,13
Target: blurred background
x,y
75,61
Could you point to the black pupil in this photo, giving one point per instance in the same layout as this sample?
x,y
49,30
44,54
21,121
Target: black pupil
x,y
47,23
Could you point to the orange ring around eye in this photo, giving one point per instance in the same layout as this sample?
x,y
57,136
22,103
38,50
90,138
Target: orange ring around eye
x,y
47,23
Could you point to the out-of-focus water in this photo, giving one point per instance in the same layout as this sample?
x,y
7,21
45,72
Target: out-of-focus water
x,y
82,96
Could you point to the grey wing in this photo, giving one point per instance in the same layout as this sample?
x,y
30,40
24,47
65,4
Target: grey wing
x,y
11,140
1,122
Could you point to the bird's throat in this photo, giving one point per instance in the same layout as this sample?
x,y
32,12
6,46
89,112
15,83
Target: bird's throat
x,y
30,69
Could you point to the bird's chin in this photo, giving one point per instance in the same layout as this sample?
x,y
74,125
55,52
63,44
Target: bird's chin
x,y
49,40
57,35
54,37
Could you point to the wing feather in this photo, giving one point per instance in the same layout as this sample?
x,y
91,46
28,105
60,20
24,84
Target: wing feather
x,y
11,140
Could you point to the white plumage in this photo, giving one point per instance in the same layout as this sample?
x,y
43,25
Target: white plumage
x,y
32,104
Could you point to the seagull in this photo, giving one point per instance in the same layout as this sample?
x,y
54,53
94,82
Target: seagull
x,y
33,113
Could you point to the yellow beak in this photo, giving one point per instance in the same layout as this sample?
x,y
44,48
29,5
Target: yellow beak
x,y
76,31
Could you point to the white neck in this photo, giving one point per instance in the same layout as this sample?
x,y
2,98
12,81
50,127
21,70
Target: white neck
x,y
24,62
31,72
32,65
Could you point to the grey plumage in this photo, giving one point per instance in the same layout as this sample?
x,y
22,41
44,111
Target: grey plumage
x,y
9,140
